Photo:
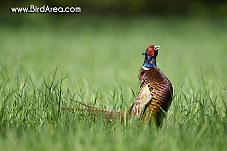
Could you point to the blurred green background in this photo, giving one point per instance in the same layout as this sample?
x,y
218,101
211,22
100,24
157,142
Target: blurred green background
x,y
108,31
100,52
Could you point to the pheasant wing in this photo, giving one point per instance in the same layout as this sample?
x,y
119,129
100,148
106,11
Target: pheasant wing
x,y
143,98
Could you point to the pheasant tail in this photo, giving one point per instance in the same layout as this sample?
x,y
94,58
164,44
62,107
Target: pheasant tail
x,y
109,114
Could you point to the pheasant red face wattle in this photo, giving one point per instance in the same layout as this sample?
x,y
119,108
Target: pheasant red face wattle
x,y
150,50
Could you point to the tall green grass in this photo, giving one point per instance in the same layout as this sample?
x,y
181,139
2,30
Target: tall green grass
x,y
46,65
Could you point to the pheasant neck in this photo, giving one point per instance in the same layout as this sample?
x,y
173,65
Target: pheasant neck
x,y
149,63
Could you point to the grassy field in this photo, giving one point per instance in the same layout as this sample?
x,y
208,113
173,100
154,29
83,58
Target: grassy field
x,y
46,63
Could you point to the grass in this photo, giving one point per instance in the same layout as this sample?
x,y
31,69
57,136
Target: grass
x,y
46,64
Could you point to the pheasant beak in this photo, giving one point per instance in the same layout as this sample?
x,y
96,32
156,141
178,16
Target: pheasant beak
x,y
156,47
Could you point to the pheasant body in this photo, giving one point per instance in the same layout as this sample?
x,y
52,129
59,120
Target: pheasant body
x,y
154,96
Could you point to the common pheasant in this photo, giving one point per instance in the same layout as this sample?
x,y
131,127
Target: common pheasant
x,y
153,99
155,94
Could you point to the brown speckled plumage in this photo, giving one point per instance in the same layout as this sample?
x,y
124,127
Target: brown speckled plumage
x,y
154,96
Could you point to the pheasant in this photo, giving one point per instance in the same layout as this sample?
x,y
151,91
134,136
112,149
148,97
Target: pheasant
x,y
155,94
153,99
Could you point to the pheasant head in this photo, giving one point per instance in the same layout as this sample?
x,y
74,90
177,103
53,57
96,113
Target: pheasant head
x,y
150,57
